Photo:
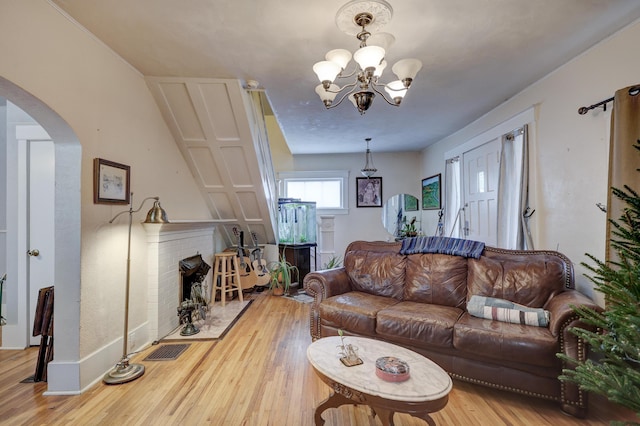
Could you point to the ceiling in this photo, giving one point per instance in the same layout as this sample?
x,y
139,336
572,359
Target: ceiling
x,y
476,54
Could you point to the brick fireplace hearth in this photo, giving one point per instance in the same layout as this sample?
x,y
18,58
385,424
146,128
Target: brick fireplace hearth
x,y
168,243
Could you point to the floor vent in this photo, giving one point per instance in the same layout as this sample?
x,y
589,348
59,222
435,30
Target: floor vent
x,y
167,352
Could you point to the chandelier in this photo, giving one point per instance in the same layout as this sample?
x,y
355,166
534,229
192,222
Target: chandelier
x,y
363,18
369,169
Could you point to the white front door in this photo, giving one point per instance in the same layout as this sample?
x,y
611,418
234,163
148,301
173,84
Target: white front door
x,y
40,226
480,177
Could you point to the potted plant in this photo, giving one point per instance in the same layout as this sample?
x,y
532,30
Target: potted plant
x,y
280,272
410,229
334,262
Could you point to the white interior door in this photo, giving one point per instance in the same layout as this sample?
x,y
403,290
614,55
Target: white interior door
x,y
480,177
40,227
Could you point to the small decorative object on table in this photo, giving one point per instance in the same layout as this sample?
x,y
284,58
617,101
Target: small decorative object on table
x,y
348,352
392,369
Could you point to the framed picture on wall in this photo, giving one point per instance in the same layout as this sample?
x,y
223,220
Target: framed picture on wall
x,y
431,193
369,192
111,182
410,203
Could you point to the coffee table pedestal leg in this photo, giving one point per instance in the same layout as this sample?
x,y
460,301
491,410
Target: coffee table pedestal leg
x,y
334,401
384,409
386,416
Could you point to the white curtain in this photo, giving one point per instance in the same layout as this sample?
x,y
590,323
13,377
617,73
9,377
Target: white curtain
x,y
513,195
452,198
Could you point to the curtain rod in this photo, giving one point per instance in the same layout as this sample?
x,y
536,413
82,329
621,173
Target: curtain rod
x,y
633,91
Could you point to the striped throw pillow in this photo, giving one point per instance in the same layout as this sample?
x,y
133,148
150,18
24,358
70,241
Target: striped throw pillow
x,y
506,311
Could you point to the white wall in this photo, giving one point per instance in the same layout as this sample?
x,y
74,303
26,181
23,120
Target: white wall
x,y
400,173
569,152
110,109
3,194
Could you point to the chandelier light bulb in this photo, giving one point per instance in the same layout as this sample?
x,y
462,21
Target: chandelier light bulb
x,y
326,71
406,70
379,69
339,56
397,90
369,56
327,95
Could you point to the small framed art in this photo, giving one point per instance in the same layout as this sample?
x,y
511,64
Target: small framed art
x,y
431,193
410,203
111,182
369,192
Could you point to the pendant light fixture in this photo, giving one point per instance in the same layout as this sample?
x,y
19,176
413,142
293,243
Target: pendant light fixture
x,y
369,169
363,18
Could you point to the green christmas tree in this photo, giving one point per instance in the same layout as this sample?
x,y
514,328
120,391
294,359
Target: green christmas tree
x,y
615,373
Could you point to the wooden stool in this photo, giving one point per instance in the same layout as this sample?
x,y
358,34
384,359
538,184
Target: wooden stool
x,y
226,268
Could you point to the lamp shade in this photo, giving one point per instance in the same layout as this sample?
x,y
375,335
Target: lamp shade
x,y
406,69
384,40
326,70
156,214
380,68
327,95
396,90
339,56
369,56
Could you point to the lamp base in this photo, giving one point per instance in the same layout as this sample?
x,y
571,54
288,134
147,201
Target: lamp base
x,y
123,372
189,330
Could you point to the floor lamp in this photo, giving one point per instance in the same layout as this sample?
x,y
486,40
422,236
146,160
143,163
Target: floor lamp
x,y
124,371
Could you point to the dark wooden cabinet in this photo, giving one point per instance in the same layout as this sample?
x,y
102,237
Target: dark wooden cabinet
x,y
300,256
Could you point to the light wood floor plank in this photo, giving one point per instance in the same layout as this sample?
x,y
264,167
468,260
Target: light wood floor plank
x,y
257,375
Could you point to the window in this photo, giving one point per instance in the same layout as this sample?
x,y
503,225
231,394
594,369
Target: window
x,y
327,188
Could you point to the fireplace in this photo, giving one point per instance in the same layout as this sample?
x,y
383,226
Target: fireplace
x,y
168,244
193,270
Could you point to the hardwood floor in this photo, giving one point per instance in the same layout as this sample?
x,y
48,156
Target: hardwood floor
x,y
257,374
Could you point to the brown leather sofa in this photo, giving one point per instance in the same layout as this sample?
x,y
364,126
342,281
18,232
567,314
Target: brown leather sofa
x,y
419,301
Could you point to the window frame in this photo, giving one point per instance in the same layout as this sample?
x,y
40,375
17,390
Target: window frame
x,y
341,175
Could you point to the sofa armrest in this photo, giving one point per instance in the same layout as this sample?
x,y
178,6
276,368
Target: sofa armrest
x,y
561,313
327,283
563,318
321,285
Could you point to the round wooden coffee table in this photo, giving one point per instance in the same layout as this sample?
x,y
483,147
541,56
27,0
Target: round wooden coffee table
x,y
426,391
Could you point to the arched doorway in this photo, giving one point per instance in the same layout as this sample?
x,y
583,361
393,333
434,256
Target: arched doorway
x,y
64,370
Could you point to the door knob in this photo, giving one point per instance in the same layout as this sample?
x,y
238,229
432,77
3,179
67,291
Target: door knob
x,y
34,252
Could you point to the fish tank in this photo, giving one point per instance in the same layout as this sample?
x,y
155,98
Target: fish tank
x,y
296,221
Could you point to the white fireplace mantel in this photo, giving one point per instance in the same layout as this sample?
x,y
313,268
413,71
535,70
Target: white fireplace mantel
x,y
177,226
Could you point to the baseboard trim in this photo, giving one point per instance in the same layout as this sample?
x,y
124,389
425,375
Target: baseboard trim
x,y
74,378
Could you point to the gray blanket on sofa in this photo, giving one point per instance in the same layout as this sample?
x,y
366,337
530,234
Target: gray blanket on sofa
x,y
442,245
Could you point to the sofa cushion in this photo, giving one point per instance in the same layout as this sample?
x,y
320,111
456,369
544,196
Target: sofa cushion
x,y
437,279
418,324
506,342
504,310
377,273
529,280
353,311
